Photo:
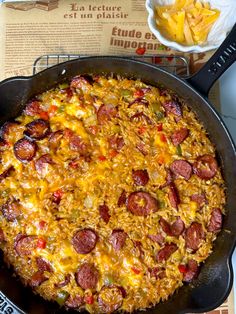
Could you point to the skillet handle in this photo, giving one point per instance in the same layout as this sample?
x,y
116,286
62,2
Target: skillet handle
x,y
223,58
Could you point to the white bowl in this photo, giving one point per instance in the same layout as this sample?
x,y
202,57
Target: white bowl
x,y
217,34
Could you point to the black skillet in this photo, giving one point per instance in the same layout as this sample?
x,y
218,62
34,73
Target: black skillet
x,y
215,280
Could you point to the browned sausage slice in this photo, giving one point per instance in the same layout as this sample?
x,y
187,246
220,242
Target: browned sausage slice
x,y
205,167
43,265
2,236
174,229
166,252
6,173
179,136
8,128
200,199
177,228
122,199
173,107
181,168
24,244
140,177
74,302
11,209
110,299
64,282
117,239
55,139
173,196
87,276
84,241
105,113
37,129
141,203
158,238
41,164
37,279
116,142
82,82
139,117
215,223
104,213
33,108
194,235
25,149
78,145
192,271
165,226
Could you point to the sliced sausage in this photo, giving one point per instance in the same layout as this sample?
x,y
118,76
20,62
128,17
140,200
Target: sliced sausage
x,y
82,82
43,265
165,226
173,107
105,113
215,223
181,168
2,236
87,276
55,139
118,238
37,279
64,282
192,271
179,136
68,92
6,173
104,213
140,177
24,244
177,227
41,164
116,142
78,145
122,199
141,203
57,196
37,129
138,245
110,299
205,167
200,199
11,209
25,149
157,272
194,235
3,144
139,117
174,229
158,238
84,241
173,196
8,128
74,302
166,252
33,108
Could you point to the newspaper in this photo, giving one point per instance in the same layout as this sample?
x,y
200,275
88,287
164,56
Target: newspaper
x,y
29,29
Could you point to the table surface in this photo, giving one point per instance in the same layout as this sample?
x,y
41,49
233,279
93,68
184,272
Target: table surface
x,y
228,108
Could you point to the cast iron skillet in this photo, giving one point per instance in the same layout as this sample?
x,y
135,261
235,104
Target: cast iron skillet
x,y
215,280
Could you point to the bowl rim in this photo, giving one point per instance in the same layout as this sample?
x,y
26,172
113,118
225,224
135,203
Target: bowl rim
x,y
172,44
